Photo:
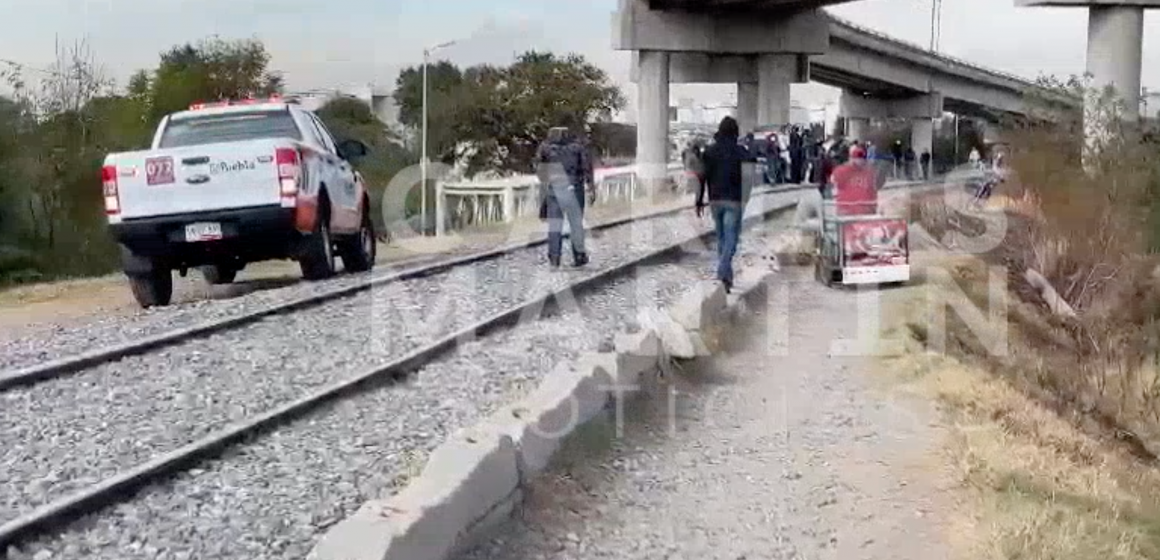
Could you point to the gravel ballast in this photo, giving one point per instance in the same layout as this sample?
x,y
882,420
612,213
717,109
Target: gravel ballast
x,y
65,434
271,499
40,344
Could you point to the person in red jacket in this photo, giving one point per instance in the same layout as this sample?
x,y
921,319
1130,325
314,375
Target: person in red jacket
x,y
855,185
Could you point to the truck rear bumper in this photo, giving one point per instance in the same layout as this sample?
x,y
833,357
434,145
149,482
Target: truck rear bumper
x,y
247,234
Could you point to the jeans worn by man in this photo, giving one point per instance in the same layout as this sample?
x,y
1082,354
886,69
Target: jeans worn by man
x,y
564,169
565,202
727,219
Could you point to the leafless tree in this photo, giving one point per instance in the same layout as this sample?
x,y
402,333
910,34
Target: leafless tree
x,y
75,78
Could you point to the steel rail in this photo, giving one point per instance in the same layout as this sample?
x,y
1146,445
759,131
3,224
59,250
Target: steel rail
x,y
123,486
72,364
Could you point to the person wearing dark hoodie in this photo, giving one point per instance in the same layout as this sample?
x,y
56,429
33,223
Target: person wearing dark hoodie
x,y
722,180
566,173
796,155
826,164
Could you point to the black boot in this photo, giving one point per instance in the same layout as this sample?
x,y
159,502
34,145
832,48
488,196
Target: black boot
x,y
554,261
579,259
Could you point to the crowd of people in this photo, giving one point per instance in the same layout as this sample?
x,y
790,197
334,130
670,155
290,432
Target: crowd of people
x,y
850,172
796,156
842,170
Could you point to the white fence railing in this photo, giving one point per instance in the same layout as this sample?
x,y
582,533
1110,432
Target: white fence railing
x,y
460,204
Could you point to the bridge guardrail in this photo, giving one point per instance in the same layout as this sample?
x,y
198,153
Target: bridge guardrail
x,y
1023,82
463,203
913,46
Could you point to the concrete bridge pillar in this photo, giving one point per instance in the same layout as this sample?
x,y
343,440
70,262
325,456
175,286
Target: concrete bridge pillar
x,y
719,46
922,136
775,73
1114,60
1114,57
747,102
1115,51
921,109
652,128
857,128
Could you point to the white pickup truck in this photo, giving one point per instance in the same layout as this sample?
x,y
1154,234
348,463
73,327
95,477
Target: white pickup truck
x,y
231,183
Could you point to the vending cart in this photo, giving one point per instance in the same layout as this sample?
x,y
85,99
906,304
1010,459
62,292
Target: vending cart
x,y
860,245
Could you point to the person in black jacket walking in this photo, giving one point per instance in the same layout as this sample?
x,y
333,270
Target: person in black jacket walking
x,y
723,181
565,172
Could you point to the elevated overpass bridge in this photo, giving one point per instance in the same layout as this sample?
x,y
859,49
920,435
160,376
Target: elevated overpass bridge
x,y
763,46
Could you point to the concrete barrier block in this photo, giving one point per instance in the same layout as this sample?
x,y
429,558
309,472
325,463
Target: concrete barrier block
x,y
700,307
793,247
751,282
485,529
676,340
539,423
736,306
463,484
604,366
366,535
700,344
637,354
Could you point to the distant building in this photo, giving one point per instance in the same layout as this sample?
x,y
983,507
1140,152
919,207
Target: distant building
x,y
380,100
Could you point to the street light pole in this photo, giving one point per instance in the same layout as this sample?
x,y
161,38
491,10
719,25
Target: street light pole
x,y
935,24
956,140
423,150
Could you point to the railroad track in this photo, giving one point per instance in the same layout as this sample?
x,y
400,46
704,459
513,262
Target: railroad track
x,y
345,287
64,365
119,463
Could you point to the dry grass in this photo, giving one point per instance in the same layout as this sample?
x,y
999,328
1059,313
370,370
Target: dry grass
x,y
1052,442
1034,484
1102,363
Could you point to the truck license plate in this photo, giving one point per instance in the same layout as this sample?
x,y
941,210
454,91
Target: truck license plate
x,y
204,231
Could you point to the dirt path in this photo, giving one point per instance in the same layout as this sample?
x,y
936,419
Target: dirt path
x,y
777,450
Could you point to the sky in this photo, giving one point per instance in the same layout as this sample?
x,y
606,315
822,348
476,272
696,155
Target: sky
x,y
318,45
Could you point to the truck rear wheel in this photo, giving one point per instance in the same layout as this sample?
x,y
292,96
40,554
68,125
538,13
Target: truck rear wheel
x,y
358,252
219,274
152,289
317,260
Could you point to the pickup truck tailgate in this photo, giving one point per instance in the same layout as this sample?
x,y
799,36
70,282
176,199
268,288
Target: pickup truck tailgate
x,y
198,178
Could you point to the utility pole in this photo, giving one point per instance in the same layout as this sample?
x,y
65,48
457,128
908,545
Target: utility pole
x,y
935,24
423,157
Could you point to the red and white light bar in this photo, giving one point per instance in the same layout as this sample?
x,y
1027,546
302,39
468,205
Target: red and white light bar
x,y
232,102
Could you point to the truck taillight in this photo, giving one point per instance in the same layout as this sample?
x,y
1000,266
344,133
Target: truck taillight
x,y
289,163
109,188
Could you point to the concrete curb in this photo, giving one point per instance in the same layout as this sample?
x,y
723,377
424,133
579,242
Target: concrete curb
x,y
477,478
